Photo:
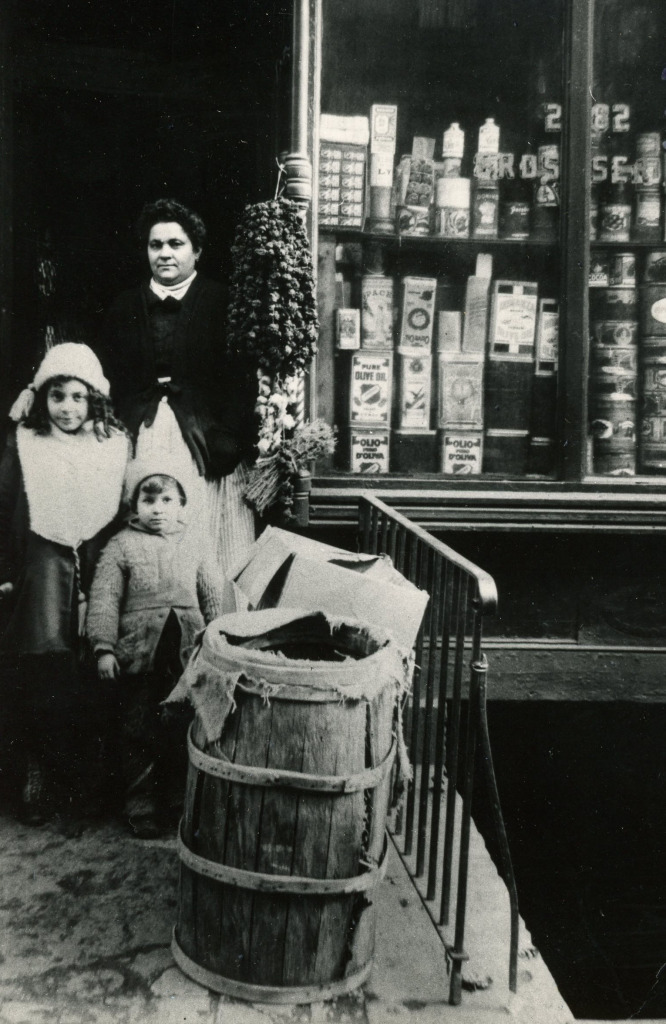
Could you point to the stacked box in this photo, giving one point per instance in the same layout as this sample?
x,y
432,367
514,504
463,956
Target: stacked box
x,y
509,375
342,170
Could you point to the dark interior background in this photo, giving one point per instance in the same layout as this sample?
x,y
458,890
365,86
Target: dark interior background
x,y
116,104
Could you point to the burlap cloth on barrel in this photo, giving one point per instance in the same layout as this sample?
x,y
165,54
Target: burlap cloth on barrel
x,y
224,659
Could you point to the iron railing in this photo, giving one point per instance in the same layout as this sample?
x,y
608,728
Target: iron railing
x,y
440,707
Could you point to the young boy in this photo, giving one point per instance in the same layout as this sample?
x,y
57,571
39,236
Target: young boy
x,y
150,596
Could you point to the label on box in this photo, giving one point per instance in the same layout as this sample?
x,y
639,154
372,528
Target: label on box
x,y
547,336
376,311
460,391
381,170
371,382
369,451
418,313
513,321
415,389
348,328
461,453
383,127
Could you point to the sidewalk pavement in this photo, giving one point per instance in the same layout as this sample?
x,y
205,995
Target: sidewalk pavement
x,y
85,929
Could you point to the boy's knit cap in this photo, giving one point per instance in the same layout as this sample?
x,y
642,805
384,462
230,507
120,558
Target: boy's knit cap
x,y
140,469
71,359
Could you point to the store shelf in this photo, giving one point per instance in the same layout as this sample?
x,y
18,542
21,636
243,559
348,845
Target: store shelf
x,y
633,246
345,234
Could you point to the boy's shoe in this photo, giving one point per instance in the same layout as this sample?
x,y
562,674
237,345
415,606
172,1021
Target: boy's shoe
x,y
144,826
33,811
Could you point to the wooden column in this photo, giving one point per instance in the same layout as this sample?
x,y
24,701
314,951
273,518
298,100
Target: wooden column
x,y
575,208
6,203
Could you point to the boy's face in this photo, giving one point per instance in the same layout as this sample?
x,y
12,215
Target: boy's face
x,y
158,506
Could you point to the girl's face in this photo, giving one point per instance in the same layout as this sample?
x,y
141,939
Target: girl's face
x,y
67,404
171,254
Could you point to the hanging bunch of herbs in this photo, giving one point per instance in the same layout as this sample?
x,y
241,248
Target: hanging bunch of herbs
x,y
272,318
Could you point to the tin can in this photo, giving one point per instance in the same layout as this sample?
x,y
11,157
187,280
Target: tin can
x,y
647,214
613,380
415,376
615,215
460,452
452,214
485,210
653,309
613,429
599,270
451,167
655,267
622,270
348,328
606,356
620,333
369,451
652,444
414,220
515,211
418,314
376,311
371,388
614,303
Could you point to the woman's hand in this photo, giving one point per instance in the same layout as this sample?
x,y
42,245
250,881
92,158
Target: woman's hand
x,y
6,589
107,666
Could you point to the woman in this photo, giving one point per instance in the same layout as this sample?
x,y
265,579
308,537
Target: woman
x,y
172,380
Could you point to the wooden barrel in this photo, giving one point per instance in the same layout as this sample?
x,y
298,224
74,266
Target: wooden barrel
x,y
283,841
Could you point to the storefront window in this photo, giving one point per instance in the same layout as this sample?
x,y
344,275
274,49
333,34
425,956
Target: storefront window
x,y
627,384
439,222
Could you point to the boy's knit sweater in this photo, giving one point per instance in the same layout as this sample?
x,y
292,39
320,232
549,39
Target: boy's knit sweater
x,y
140,578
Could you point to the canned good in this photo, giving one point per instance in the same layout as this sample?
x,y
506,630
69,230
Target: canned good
x,y
613,380
606,356
515,211
622,270
647,214
485,210
369,451
460,452
348,328
619,333
452,213
376,311
655,267
653,309
613,429
619,303
414,220
599,271
615,215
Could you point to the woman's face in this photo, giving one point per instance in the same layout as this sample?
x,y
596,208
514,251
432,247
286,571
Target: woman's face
x,y
171,255
67,404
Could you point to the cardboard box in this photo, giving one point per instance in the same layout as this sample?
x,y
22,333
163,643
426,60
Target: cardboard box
x,y
285,570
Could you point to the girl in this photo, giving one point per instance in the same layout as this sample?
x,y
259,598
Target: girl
x,y
61,480
152,592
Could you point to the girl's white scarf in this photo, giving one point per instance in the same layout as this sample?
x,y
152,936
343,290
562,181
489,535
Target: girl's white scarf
x,y
73,481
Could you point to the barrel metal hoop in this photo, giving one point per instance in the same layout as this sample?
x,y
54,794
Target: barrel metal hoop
x,y
292,884
253,776
266,993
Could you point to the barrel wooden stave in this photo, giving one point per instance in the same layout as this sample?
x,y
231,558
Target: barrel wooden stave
x,y
270,939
